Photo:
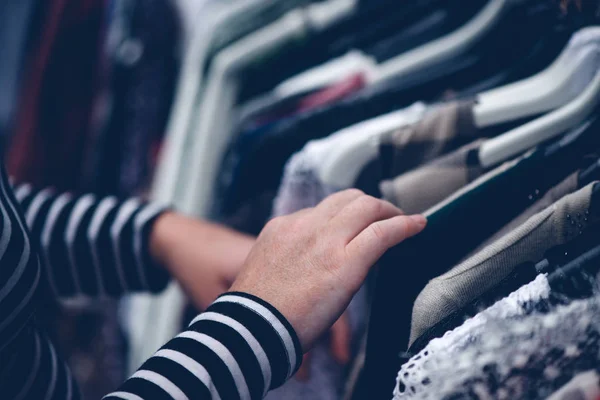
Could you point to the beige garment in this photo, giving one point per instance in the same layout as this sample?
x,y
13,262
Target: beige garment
x,y
443,129
558,224
422,188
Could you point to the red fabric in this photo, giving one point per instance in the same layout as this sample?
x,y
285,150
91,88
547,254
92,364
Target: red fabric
x,y
333,93
55,105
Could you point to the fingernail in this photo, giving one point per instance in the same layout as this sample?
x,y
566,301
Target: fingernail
x,y
420,220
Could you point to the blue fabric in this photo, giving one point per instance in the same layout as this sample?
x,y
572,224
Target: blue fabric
x,y
15,19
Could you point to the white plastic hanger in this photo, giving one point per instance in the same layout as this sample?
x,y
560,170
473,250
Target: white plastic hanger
x,y
208,143
547,90
445,48
535,132
332,71
348,151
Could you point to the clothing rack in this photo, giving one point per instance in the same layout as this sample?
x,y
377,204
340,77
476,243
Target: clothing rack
x,y
480,114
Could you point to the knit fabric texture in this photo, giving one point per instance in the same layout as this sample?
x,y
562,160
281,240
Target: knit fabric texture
x,y
508,351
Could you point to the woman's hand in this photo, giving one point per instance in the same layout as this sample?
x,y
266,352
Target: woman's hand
x,y
204,258
309,264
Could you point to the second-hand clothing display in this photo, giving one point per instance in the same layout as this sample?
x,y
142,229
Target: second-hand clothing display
x,y
481,114
15,16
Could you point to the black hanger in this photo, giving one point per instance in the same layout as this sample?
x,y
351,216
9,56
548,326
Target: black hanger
x,y
577,279
590,174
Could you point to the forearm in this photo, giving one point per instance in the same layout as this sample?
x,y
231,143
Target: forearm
x,y
204,258
240,348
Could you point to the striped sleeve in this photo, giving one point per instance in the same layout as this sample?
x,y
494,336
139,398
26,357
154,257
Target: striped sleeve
x,y
33,369
92,246
240,348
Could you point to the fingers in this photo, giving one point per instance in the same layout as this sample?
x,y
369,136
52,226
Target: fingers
x,y
359,214
370,244
340,340
334,203
303,373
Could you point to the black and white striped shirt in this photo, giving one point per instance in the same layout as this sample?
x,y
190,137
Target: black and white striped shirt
x,y
85,246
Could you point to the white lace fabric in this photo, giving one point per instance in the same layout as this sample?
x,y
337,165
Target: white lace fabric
x,y
504,353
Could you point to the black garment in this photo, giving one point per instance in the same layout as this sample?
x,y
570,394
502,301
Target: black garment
x,y
15,19
577,279
362,30
455,228
265,154
143,73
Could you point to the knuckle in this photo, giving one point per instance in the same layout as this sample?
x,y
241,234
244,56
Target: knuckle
x,y
369,204
378,232
403,228
353,191
275,224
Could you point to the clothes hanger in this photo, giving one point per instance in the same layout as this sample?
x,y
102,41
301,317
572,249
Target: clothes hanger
x,y
541,93
577,279
589,174
444,48
537,131
392,21
495,57
343,165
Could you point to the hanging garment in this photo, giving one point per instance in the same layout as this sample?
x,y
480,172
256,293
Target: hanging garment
x,y
564,265
437,133
267,109
520,182
228,22
16,17
303,185
569,185
271,109
142,41
442,130
52,132
556,225
417,190
508,351
357,32
267,153
55,105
